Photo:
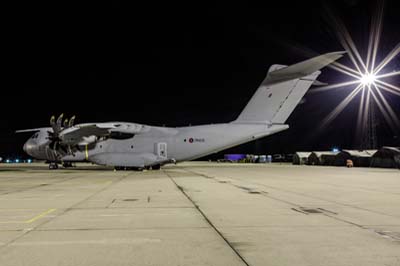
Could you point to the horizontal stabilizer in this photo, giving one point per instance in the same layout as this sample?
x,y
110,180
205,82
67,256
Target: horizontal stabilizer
x,y
302,69
319,83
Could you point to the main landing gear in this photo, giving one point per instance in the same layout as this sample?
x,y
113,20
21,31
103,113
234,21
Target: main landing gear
x,y
53,165
67,164
125,168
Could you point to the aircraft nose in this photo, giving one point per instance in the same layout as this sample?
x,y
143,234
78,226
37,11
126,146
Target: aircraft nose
x,y
29,148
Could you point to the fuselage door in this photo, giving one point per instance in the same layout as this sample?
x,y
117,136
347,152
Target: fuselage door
x,y
161,150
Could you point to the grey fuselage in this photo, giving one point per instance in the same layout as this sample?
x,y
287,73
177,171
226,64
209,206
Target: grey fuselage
x,y
156,145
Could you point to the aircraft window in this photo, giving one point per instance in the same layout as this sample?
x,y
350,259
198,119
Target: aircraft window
x,y
131,146
35,135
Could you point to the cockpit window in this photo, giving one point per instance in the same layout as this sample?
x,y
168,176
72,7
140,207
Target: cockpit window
x,y
35,135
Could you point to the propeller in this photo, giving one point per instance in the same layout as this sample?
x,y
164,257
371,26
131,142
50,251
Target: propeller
x,y
65,124
59,123
55,141
71,121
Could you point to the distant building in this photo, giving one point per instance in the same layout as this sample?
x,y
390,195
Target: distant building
x,y
386,157
301,158
359,158
322,157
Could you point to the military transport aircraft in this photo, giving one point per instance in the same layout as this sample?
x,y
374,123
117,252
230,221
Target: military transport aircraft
x,y
136,146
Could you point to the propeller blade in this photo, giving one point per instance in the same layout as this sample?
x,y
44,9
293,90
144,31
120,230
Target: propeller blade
x,y
56,144
53,125
52,120
71,121
59,121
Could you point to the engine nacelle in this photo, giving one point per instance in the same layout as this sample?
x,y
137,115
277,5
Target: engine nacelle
x,y
87,140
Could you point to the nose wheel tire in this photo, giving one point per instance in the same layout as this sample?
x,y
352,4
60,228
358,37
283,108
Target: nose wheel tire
x,y
53,166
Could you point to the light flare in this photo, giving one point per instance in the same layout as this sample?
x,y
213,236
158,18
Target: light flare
x,y
332,115
390,56
391,74
367,75
392,89
367,79
389,109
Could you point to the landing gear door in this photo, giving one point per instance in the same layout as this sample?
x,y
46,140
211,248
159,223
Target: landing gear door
x,y
161,150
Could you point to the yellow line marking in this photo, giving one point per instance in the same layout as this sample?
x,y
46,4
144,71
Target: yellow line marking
x,y
40,216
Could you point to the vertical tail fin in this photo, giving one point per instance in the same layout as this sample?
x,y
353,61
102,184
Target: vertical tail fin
x,y
282,90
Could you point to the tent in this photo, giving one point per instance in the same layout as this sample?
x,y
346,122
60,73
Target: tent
x,y
359,158
322,157
301,157
386,157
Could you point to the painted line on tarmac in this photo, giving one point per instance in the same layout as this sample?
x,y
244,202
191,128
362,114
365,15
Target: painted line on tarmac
x,y
207,219
106,241
40,216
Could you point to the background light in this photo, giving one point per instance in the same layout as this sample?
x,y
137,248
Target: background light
x,y
368,79
367,74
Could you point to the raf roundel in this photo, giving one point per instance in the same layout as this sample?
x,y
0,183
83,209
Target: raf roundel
x,y
191,140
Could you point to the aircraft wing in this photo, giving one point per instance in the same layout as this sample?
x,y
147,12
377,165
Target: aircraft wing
x,y
29,130
87,133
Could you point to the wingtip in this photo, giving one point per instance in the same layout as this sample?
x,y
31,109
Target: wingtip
x,y
337,54
27,130
328,58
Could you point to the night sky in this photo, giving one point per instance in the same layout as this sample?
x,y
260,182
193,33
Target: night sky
x,y
179,64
